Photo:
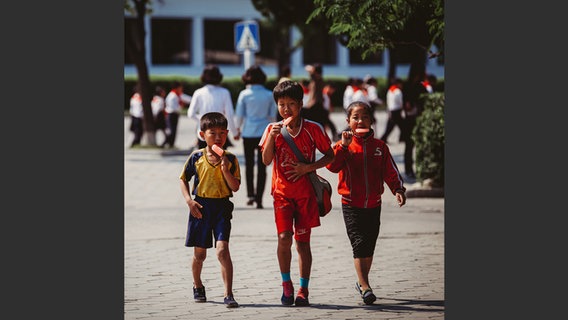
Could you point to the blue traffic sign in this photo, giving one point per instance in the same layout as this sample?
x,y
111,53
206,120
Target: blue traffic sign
x,y
247,36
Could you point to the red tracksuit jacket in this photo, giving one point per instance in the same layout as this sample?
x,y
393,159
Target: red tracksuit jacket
x,y
363,169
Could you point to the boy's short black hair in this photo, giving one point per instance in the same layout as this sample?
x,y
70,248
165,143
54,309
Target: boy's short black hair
x,y
289,89
213,120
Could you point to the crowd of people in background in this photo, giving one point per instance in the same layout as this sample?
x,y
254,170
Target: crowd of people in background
x,y
401,102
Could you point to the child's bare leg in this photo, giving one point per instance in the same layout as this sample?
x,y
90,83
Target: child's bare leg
x,y
224,257
284,251
199,255
304,258
363,267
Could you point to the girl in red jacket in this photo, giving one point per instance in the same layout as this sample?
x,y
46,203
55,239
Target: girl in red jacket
x,y
364,164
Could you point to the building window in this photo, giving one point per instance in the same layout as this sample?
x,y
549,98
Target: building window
x,y
171,41
267,54
220,42
128,25
320,48
355,57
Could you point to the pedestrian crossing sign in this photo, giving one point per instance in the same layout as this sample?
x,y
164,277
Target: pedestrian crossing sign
x,y
247,36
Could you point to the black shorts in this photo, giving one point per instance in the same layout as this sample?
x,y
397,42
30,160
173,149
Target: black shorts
x,y
362,227
215,223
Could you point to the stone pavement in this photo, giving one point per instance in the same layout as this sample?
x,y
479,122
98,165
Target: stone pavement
x,y
407,273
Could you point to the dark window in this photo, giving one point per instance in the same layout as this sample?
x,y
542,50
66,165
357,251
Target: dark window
x,y
320,48
219,42
267,54
128,24
171,41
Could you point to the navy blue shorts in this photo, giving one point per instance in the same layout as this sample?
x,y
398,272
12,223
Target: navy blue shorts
x,y
362,225
216,222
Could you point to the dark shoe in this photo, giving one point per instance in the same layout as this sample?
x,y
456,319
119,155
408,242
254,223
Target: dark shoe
x,y
259,205
368,296
250,202
302,297
230,302
287,293
199,294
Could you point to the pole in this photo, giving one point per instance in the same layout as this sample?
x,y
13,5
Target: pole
x,y
248,58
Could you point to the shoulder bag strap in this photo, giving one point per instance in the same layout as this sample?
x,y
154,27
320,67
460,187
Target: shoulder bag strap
x,y
286,135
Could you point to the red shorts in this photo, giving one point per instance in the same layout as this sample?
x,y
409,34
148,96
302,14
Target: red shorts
x,y
298,215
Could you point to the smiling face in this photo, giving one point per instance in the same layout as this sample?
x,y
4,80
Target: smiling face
x,y
359,118
288,107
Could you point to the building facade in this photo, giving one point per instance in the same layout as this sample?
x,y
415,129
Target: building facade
x,y
182,36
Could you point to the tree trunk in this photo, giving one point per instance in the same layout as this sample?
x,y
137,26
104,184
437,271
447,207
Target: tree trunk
x,y
136,49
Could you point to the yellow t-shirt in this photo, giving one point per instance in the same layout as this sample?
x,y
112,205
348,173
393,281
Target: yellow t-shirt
x,y
208,180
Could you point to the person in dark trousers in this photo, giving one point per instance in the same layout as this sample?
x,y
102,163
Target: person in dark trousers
x,y
413,106
362,176
395,106
254,111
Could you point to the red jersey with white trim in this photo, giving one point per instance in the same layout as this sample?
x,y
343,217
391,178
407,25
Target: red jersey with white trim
x,y
311,136
363,169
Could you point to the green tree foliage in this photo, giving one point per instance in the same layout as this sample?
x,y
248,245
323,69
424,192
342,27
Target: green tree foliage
x,y
375,25
280,16
429,138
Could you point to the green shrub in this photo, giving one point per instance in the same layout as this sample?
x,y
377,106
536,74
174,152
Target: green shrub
x,y
429,138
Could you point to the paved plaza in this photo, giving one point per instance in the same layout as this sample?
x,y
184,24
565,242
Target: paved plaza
x,y
407,274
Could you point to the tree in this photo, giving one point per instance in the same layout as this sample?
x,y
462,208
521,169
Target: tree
x,y
413,26
136,50
281,16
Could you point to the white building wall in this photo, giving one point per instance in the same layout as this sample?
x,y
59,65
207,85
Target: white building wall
x,y
199,10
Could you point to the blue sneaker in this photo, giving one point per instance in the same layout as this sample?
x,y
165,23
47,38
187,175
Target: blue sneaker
x,y
287,293
230,302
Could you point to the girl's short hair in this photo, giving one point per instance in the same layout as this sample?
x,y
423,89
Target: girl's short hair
x,y
254,75
211,75
370,110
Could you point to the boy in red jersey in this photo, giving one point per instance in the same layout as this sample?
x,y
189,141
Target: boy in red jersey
x,y
364,164
295,205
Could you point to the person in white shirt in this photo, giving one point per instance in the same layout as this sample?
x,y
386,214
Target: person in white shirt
x,y
394,108
175,100
158,106
372,94
136,117
212,97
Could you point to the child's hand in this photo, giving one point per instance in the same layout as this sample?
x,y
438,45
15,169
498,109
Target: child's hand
x,y
346,137
195,209
297,170
276,129
224,163
400,198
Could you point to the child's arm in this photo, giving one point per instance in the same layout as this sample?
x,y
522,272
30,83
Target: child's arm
x,y
233,182
340,150
393,178
194,206
268,150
